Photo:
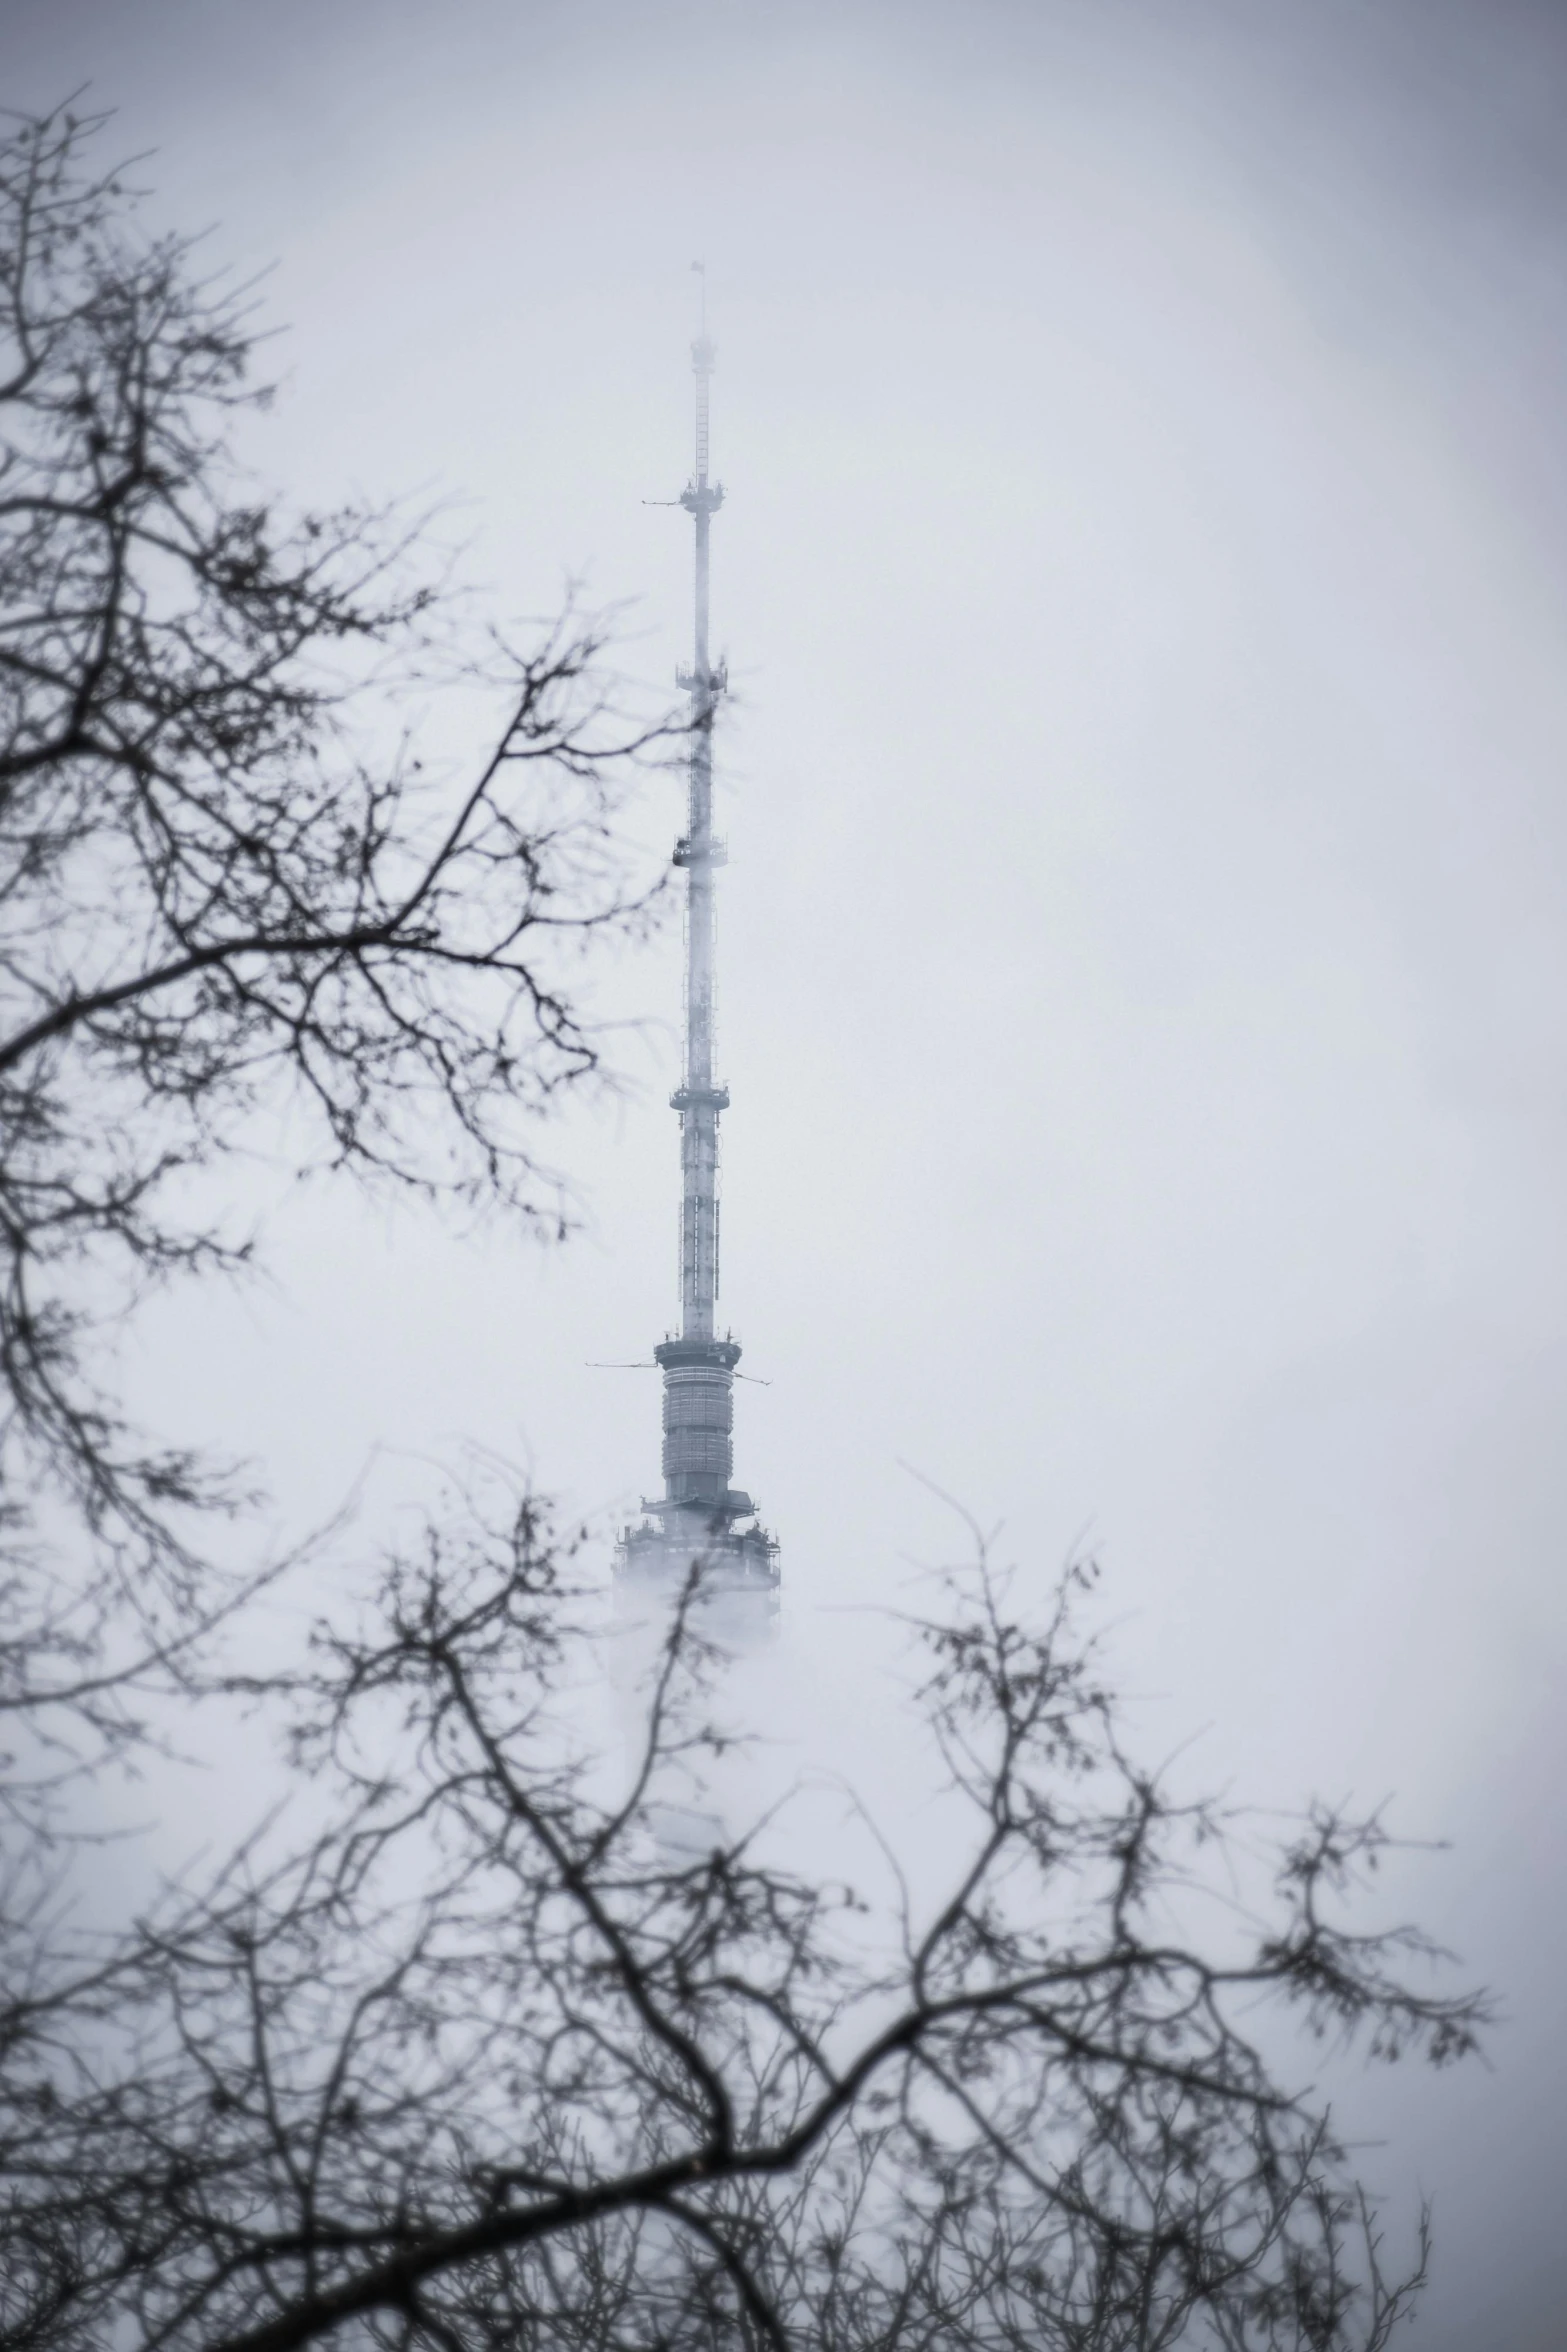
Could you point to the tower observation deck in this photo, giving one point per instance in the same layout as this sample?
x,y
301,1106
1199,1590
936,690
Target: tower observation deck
x,y
701,1517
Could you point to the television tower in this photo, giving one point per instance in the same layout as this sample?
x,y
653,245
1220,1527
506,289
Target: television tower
x,y
701,1518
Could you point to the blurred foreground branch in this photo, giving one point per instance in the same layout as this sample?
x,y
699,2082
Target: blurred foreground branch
x,y
490,2063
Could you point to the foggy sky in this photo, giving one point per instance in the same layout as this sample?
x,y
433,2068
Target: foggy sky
x,y
1144,981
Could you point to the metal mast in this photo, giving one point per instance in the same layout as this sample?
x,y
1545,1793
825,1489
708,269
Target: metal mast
x,y
699,1514
699,1100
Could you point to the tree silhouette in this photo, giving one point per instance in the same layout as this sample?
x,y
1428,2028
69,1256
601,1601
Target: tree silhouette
x,y
488,2063
485,2059
236,877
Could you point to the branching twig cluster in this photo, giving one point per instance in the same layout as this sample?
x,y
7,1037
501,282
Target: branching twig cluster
x,y
228,881
487,2064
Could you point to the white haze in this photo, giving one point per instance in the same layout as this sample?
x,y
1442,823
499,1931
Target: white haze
x,y
1143,963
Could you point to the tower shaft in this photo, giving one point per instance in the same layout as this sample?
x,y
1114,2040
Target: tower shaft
x,y
699,1512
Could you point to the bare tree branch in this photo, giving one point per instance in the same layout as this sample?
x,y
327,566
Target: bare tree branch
x,y
234,877
487,2058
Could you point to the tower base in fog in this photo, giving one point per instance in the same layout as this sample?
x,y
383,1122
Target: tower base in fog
x,y
736,1568
732,1611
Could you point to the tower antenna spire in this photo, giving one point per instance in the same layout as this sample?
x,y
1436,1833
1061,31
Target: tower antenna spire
x,y
701,1516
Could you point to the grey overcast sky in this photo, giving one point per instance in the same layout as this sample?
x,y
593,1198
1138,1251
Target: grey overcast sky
x,y
1144,967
